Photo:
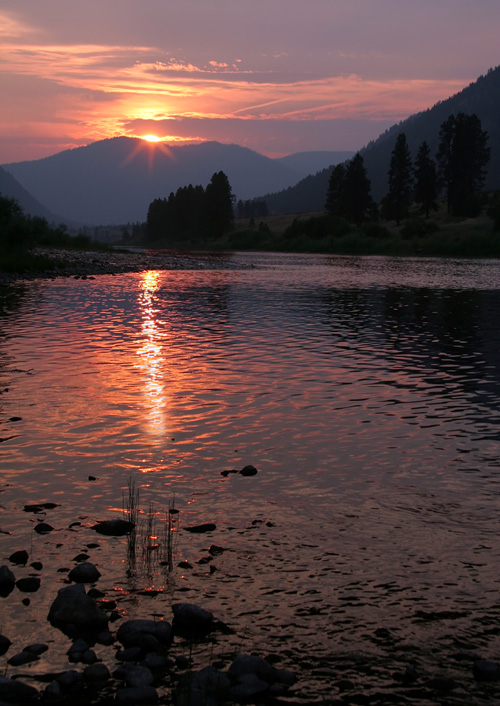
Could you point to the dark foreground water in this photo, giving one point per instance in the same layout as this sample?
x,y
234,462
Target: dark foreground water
x,y
366,393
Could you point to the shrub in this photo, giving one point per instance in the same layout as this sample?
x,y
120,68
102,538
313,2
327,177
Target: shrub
x,y
418,228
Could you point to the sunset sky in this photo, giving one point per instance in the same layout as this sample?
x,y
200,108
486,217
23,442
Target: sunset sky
x,y
278,76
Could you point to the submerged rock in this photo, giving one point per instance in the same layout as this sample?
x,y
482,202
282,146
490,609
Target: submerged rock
x,y
114,528
72,606
484,670
200,529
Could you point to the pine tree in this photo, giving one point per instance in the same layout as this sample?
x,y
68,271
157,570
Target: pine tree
x,y
397,203
357,197
425,180
335,194
218,214
462,158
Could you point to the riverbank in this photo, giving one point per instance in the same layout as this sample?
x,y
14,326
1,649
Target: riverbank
x,y
58,262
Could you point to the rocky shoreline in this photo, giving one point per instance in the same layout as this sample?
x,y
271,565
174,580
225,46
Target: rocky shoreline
x,y
83,264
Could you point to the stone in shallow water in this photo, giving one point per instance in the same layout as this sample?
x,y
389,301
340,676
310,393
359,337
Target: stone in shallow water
x,y
43,528
190,618
248,471
73,606
96,673
143,695
22,658
114,528
29,584
131,633
84,573
7,581
201,529
5,643
14,691
484,670
19,557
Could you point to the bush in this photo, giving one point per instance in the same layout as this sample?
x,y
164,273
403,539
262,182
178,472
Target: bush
x,y
317,227
374,230
418,228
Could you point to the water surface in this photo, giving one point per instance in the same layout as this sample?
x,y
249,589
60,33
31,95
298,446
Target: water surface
x,y
365,391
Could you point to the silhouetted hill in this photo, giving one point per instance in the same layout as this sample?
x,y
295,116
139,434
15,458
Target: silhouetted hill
x,y
312,162
481,97
115,180
12,189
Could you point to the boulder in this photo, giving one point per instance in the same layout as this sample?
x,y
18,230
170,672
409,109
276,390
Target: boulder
x,y
143,695
13,691
72,606
191,619
131,633
7,581
84,573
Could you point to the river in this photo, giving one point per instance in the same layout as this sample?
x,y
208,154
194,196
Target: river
x,y
365,393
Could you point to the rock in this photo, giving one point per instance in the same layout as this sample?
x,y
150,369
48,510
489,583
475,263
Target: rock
x,y
133,674
5,643
70,679
114,528
73,606
22,658
444,684
37,648
248,471
200,529
13,691
484,670
80,557
30,584
96,673
143,695
20,557
7,581
37,565
132,632
89,657
84,573
250,664
191,619
43,528
77,649
207,687
248,687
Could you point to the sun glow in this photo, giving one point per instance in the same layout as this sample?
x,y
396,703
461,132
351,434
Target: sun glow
x,y
151,138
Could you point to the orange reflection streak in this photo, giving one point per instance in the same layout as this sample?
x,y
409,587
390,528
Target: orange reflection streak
x,y
151,358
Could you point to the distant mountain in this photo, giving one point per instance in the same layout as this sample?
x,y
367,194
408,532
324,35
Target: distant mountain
x,y
114,181
12,189
311,162
481,97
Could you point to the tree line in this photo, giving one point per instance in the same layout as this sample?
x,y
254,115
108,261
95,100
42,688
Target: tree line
x,y
457,172
192,212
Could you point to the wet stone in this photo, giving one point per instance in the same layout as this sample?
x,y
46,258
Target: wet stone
x,y
43,528
131,632
20,557
22,658
84,573
248,471
114,528
201,529
14,691
484,670
191,619
96,673
37,565
7,581
72,606
143,695
5,643
30,584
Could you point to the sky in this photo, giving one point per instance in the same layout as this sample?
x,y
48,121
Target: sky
x,y
277,76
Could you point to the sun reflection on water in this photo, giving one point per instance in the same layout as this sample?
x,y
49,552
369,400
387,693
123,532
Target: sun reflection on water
x,y
151,357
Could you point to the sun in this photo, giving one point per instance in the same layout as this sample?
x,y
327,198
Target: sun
x,y
151,138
